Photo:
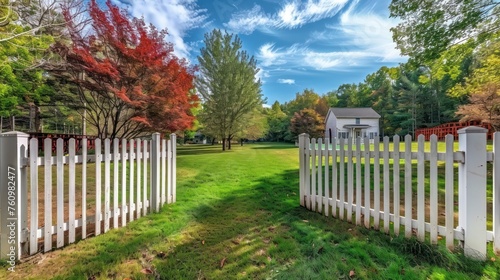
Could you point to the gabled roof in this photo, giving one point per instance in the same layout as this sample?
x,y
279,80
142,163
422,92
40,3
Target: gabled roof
x,y
366,113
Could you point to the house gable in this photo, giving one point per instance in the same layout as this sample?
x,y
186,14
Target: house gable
x,y
344,122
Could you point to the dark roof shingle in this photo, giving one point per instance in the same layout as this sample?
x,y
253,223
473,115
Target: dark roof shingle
x,y
354,113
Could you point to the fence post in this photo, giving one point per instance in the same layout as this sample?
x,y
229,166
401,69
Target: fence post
x,y
155,173
472,191
302,169
496,192
13,201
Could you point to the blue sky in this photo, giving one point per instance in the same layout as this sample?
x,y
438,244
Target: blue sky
x,y
299,44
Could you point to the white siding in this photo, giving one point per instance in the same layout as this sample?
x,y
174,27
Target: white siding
x,y
373,123
331,123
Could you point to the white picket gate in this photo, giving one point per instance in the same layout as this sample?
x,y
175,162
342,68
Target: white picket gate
x,y
353,179
132,179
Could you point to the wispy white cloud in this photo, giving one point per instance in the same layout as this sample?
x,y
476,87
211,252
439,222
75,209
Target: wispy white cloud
x,y
362,30
177,16
246,22
294,14
302,56
290,15
286,81
269,55
358,39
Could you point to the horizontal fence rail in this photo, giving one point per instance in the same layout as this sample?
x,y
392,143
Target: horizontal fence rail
x,y
70,197
401,187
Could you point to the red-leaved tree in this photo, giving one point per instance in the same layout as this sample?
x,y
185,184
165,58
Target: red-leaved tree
x,y
128,80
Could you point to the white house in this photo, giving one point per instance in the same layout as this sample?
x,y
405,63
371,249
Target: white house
x,y
353,122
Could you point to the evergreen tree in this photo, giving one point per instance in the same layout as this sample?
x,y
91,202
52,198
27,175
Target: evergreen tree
x,y
227,85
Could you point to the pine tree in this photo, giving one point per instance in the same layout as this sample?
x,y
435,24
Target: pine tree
x,y
227,84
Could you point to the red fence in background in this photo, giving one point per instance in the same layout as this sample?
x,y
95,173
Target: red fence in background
x,y
451,128
54,136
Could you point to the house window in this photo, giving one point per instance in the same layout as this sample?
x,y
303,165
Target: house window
x,y
344,135
358,120
373,135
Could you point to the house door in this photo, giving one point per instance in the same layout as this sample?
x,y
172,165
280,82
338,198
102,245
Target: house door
x,y
357,133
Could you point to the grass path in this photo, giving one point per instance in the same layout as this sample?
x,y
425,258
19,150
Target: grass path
x,y
237,216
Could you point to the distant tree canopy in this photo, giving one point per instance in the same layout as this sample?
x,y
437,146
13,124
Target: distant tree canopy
x,y
429,27
483,88
307,121
27,28
227,85
128,81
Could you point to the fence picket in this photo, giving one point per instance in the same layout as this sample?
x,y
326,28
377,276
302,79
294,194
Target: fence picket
x,y
386,185
107,181
98,191
313,174
71,191
367,182
334,177
350,179
327,177
320,176
34,196
408,187
174,167
47,152
450,193
84,188
302,140
342,179
433,190
60,193
116,164
421,189
124,182
145,179
131,157
169,171
396,185
163,170
358,181
138,203
376,183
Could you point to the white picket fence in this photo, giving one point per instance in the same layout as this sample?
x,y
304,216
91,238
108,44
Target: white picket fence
x,y
132,179
374,187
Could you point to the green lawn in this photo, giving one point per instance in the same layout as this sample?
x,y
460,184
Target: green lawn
x,y
237,216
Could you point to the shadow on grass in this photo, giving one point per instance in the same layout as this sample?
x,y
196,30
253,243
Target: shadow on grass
x,y
256,232
273,146
199,149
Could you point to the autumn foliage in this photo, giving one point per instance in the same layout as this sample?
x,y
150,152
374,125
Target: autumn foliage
x,y
126,73
307,121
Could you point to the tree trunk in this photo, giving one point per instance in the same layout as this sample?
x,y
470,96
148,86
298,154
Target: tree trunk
x,y
38,119
223,143
229,143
